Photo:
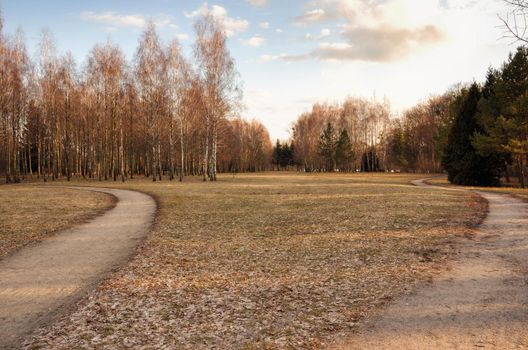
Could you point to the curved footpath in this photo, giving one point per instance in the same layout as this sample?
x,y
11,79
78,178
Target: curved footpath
x,y
482,302
40,282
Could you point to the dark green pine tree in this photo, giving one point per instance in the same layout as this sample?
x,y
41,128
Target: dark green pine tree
x,y
370,161
344,155
397,147
504,114
490,142
282,155
327,147
277,154
463,163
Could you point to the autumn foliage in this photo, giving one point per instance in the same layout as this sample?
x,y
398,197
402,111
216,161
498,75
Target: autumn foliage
x,y
157,116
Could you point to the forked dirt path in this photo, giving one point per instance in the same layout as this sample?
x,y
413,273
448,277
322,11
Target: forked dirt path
x,y
40,281
481,303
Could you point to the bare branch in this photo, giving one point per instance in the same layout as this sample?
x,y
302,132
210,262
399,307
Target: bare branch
x,y
514,23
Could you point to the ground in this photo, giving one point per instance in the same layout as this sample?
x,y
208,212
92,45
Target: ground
x,y
41,282
30,213
480,303
521,193
276,260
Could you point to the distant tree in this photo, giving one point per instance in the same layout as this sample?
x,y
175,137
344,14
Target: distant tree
x,y
327,147
277,153
178,82
463,163
397,147
115,119
344,154
151,72
222,92
504,114
370,161
282,155
365,121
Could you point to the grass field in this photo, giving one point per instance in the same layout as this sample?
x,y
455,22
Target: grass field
x,y
515,191
267,261
30,213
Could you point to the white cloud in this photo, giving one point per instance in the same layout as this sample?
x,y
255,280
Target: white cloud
x,y
283,57
278,30
182,37
379,44
256,41
231,25
470,43
264,25
258,3
237,25
269,58
204,10
374,30
312,16
325,32
115,20
372,12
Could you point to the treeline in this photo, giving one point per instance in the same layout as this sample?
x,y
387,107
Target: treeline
x,y
360,135
416,140
156,116
476,133
345,137
489,133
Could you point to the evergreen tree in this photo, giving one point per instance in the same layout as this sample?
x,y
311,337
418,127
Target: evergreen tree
x,y
277,154
327,147
370,161
397,147
463,163
282,155
504,114
287,155
344,155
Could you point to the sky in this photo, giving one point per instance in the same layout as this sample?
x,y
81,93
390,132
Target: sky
x,y
293,53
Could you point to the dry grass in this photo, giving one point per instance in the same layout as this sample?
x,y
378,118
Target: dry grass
x,y
269,261
521,193
30,213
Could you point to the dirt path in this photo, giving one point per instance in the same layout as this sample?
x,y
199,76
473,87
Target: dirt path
x,y
40,282
482,302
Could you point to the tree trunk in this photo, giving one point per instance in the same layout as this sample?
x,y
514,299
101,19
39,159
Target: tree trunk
x,y
171,146
182,159
205,159
214,141
521,172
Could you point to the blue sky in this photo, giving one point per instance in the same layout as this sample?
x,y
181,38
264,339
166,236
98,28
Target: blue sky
x,y
292,53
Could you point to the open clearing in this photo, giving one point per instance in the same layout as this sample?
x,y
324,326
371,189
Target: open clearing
x,y
480,303
39,282
31,213
521,193
279,260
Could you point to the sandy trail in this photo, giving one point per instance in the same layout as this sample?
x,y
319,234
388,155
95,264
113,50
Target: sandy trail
x,y
40,282
481,303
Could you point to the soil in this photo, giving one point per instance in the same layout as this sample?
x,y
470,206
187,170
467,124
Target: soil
x,y
41,282
481,302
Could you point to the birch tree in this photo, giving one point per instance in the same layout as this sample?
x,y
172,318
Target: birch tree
x,y
151,73
216,69
178,81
